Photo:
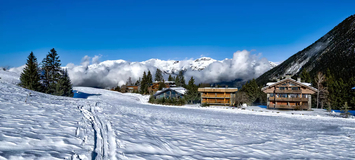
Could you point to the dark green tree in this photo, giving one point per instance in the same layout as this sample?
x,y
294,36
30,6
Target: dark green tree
x,y
192,94
144,84
149,78
161,85
254,93
170,78
64,86
30,77
305,77
159,75
180,80
51,71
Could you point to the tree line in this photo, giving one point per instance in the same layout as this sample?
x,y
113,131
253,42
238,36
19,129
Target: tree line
x,y
47,77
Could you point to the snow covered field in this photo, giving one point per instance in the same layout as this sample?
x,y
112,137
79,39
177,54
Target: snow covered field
x,y
112,125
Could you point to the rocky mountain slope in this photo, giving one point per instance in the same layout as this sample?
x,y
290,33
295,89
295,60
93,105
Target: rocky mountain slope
x,y
334,51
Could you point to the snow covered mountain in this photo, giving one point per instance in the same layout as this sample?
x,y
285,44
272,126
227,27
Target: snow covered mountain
x,y
169,66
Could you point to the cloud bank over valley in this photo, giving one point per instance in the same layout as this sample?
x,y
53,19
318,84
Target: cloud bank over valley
x,y
93,73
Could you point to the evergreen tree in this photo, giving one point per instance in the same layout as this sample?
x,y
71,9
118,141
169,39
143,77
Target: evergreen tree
x,y
30,77
149,78
305,77
253,91
180,80
51,71
144,84
159,75
64,86
170,78
161,85
192,92
345,110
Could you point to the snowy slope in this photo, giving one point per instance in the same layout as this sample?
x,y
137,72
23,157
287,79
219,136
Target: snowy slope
x,y
112,125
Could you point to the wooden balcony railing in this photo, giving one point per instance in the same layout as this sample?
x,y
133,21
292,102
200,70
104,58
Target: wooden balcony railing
x,y
214,96
288,91
288,99
291,107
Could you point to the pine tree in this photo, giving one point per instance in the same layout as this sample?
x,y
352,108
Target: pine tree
x,y
180,80
170,78
149,78
345,110
159,75
192,93
144,84
64,86
30,77
161,85
51,71
305,77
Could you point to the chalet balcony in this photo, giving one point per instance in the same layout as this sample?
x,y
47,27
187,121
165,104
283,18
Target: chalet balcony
x,y
288,99
214,96
304,107
288,91
216,103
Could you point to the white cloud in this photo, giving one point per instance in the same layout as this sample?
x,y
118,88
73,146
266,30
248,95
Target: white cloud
x,y
111,73
243,65
96,59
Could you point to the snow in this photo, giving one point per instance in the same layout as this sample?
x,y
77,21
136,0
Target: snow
x,y
112,125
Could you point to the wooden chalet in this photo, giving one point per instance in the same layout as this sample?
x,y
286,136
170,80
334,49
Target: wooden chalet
x,y
289,94
133,89
218,96
155,86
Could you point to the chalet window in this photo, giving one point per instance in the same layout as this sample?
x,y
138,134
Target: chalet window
x,y
293,96
282,88
284,84
295,88
272,95
283,95
305,96
292,84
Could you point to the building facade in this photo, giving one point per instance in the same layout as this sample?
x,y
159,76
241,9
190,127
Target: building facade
x,y
289,94
218,96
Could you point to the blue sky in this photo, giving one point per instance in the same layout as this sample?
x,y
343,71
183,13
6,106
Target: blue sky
x,y
140,30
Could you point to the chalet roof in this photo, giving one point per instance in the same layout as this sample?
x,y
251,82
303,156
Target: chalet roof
x,y
271,84
220,89
164,81
180,90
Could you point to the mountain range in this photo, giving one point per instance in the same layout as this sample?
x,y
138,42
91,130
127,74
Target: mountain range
x,y
169,66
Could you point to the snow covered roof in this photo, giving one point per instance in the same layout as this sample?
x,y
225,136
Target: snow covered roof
x,y
270,83
180,90
164,81
300,83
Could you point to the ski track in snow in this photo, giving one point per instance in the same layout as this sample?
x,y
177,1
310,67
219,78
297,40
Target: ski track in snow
x,y
112,125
